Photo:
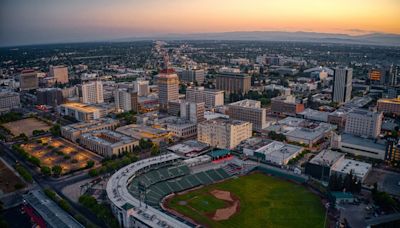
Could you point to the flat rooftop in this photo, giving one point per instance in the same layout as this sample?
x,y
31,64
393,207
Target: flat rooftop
x,y
291,121
224,121
363,142
142,131
310,133
214,115
188,147
88,125
391,101
326,158
80,107
247,103
359,169
108,137
50,211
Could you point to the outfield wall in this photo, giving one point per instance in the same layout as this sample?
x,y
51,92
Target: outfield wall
x,y
281,173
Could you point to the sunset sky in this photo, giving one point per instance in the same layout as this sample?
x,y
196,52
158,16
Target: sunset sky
x,y
44,21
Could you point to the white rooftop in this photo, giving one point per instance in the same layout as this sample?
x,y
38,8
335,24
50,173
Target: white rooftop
x,y
359,169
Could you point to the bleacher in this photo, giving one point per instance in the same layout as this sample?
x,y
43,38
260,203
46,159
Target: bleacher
x,y
232,169
162,182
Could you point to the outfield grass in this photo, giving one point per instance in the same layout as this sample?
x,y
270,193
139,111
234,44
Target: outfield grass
x,y
265,201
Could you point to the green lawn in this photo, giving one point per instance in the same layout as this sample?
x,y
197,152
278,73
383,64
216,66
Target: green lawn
x,y
265,201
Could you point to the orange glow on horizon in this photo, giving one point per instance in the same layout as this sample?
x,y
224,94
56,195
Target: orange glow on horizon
x,y
342,16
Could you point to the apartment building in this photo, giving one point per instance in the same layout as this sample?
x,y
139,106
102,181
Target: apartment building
x,y
233,82
361,122
250,111
223,133
286,106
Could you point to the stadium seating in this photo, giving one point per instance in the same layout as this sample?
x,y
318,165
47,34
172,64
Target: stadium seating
x,y
164,181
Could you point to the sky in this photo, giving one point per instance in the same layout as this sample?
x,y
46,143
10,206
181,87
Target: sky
x,y
54,21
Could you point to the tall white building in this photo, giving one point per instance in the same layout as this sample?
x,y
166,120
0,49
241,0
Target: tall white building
x,y
125,100
223,133
141,86
210,97
91,93
342,86
192,111
361,122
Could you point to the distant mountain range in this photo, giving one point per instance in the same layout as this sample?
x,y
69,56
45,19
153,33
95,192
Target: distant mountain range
x,y
370,39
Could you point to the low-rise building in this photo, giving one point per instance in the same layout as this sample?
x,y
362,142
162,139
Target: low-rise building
x,y
311,114
389,105
286,106
359,146
329,162
360,170
319,167
81,112
138,132
271,151
302,131
107,143
189,148
223,133
45,212
73,131
182,128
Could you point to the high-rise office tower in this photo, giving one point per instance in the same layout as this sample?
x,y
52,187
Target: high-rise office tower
x,y
168,87
342,86
60,73
91,93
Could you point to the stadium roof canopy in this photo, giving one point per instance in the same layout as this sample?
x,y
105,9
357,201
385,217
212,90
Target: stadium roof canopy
x,y
219,153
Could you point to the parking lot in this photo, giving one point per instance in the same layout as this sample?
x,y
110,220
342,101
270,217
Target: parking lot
x,y
387,181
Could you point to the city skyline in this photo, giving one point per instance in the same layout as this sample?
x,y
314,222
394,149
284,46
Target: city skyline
x,y
83,21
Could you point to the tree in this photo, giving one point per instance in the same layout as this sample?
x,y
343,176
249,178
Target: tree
x,y
34,160
45,170
55,130
56,170
155,149
89,164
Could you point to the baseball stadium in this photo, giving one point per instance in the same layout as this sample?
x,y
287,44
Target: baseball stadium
x,y
214,190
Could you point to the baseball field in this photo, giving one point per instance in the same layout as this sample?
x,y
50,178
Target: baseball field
x,y
255,200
